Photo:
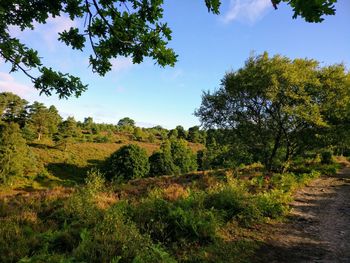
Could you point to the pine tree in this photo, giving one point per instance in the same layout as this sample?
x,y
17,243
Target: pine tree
x,y
15,157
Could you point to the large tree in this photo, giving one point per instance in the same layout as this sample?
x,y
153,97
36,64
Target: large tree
x,y
12,108
276,107
112,28
43,121
15,157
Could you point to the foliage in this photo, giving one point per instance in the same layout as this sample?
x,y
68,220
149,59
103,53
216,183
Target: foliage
x,y
126,122
16,160
161,163
12,108
271,105
326,157
43,121
94,224
133,28
68,131
311,11
183,156
129,162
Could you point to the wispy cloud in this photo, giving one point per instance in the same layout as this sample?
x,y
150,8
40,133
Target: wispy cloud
x,y
121,64
47,32
9,84
247,11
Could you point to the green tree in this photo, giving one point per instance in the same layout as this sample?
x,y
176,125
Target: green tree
x,y
128,162
139,134
181,132
113,28
182,156
126,122
272,105
15,157
194,134
68,132
161,162
173,134
12,108
43,121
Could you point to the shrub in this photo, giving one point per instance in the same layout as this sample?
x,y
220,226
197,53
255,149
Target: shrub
x,y
169,222
115,239
272,204
16,159
129,162
183,156
326,157
161,163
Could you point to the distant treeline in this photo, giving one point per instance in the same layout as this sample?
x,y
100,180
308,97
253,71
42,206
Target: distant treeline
x,y
38,122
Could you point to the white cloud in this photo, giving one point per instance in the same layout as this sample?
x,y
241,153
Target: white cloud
x,y
8,83
121,64
46,32
247,11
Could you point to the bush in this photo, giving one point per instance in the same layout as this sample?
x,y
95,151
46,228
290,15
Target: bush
x,y
116,237
16,159
273,204
167,222
162,164
326,157
129,162
183,156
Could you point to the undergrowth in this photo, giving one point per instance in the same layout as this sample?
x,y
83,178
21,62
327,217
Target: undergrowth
x,y
169,224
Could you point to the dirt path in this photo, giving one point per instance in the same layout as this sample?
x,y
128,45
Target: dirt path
x,y
319,225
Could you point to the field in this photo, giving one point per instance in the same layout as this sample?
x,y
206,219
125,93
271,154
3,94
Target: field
x,y
73,215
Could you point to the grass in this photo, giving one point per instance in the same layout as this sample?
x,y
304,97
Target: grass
x,y
198,217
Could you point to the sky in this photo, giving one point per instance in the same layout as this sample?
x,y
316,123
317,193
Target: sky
x,y
208,46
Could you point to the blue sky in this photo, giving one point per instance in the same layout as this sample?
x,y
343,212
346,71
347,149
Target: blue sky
x,y
208,46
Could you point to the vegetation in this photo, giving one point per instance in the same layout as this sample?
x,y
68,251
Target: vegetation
x,y
169,224
122,193
274,109
129,162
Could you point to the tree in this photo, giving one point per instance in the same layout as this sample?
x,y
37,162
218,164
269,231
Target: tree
x,y
161,162
12,108
113,28
181,133
126,122
182,156
43,121
68,131
139,134
128,162
273,105
311,10
194,134
15,157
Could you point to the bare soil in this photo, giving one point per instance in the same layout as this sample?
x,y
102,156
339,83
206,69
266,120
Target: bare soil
x,y
318,228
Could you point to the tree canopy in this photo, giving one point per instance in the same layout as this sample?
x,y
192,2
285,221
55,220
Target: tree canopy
x,y
112,28
276,108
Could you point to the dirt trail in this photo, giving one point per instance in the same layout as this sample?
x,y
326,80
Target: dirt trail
x,y
319,225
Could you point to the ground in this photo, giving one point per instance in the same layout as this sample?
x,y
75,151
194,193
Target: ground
x,y
318,227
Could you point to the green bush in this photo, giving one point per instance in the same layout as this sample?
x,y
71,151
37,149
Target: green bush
x,y
228,200
183,157
272,204
129,162
117,238
326,157
16,159
162,164
168,222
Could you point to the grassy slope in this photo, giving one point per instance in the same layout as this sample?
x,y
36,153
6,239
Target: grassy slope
x,y
70,166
